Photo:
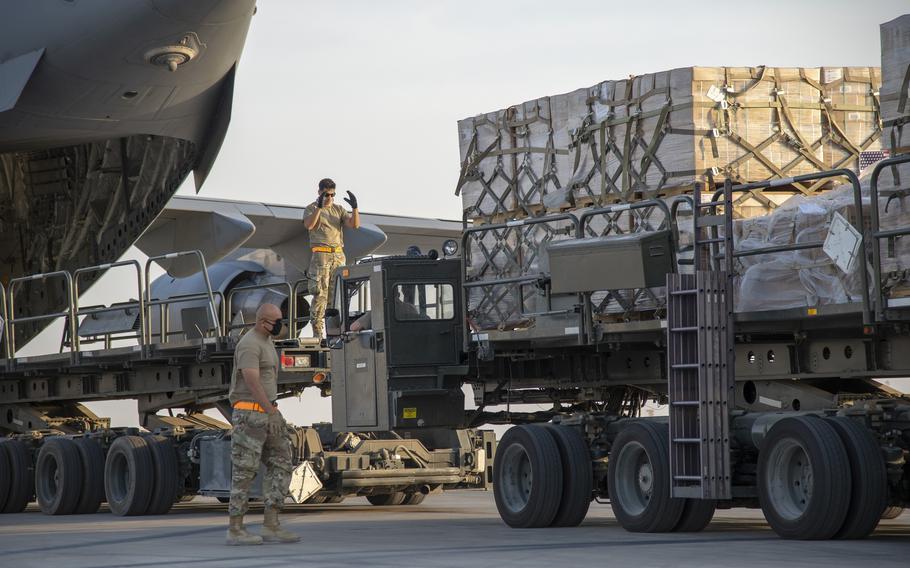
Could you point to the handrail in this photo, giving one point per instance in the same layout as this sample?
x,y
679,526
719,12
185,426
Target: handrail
x,y
70,311
106,338
858,203
465,257
294,289
878,234
674,214
292,306
164,314
510,225
645,204
140,303
4,325
202,295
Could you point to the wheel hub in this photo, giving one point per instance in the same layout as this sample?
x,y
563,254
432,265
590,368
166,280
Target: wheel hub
x,y
790,478
646,479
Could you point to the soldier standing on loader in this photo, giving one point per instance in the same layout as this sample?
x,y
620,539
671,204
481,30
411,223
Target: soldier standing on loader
x,y
260,434
325,221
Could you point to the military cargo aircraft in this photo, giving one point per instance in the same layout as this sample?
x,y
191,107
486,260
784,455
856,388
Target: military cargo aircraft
x,y
105,107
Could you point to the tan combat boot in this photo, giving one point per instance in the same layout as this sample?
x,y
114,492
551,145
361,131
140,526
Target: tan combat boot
x,y
237,535
272,531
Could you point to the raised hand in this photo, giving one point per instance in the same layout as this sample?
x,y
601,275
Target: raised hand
x,y
352,201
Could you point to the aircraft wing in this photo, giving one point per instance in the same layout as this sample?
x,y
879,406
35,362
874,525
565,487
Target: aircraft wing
x,y
217,227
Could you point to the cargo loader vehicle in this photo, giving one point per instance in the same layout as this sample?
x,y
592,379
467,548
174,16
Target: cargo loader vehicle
x,y
773,409
176,352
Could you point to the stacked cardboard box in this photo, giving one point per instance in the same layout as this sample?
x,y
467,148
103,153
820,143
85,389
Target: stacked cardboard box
x,y
657,134
895,97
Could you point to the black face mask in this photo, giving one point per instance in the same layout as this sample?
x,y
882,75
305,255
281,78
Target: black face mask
x,y
276,328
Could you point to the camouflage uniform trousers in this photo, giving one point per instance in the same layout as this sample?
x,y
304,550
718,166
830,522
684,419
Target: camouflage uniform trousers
x,y
322,268
251,444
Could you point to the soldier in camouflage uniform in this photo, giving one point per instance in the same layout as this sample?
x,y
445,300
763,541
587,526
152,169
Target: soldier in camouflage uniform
x,y
260,434
325,221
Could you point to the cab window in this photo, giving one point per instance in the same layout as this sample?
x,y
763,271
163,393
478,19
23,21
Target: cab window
x,y
357,299
424,302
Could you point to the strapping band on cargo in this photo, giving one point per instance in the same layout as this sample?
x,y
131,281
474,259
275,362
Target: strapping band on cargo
x,y
905,84
527,150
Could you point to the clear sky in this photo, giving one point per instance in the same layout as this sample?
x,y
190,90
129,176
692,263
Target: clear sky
x,y
369,92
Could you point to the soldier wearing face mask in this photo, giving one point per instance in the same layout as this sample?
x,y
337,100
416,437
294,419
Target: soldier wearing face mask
x,y
260,434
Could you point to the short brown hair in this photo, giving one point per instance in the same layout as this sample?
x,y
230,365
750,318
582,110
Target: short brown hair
x,y
325,184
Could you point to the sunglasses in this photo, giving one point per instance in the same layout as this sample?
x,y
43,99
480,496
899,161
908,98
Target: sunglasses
x,y
329,194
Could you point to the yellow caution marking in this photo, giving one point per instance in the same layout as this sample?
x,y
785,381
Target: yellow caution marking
x,y
409,413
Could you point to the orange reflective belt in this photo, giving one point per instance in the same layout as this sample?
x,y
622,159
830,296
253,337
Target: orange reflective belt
x,y
246,405
327,249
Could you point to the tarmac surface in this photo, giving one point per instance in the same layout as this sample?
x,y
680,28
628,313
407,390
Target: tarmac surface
x,y
456,529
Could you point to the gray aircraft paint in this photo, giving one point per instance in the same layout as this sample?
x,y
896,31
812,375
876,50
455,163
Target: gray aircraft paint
x,y
219,227
248,243
96,129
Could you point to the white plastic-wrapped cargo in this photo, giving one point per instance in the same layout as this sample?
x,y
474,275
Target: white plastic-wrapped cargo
x,y
810,278
657,134
895,97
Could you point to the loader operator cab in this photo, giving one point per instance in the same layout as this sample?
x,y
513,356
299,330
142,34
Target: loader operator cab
x,y
396,338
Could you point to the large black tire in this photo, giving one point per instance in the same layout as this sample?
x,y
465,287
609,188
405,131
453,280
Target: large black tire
x,y
387,499
577,476
128,476
527,477
58,476
92,458
696,515
21,477
164,463
638,478
6,473
804,479
892,512
414,499
869,475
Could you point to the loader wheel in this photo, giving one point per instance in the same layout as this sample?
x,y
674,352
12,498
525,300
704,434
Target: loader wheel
x,y
869,475
527,477
5,474
414,499
387,499
804,478
164,463
577,476
58,477
892,512
696,515
92,458
128,476
638,477
21,486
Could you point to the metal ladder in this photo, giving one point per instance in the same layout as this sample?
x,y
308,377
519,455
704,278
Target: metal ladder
x,y
700,357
